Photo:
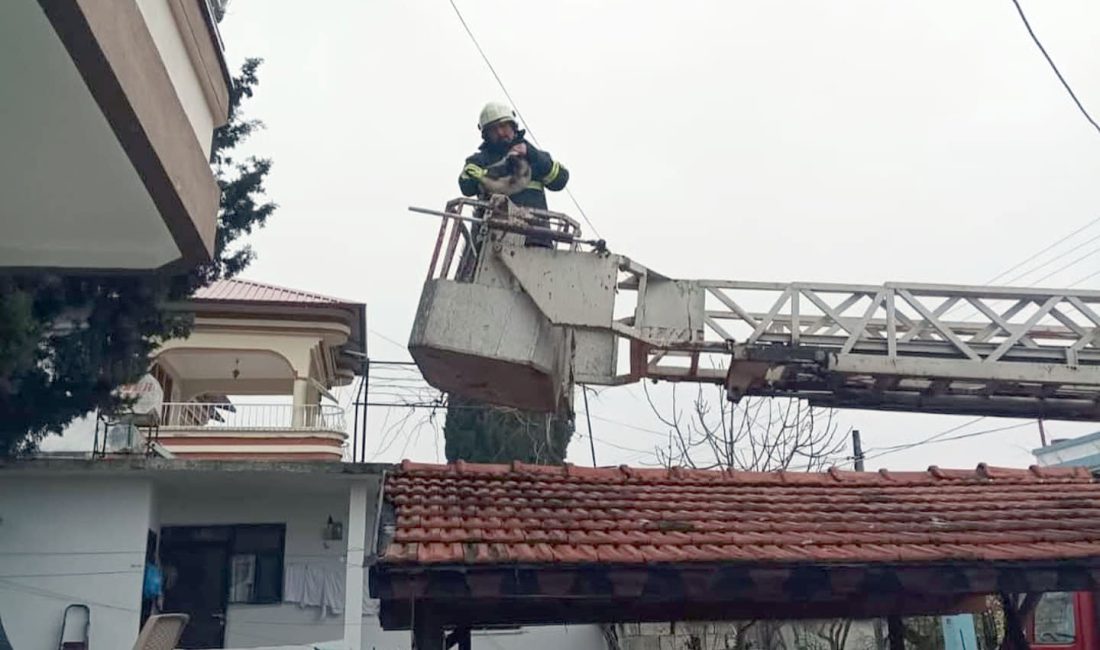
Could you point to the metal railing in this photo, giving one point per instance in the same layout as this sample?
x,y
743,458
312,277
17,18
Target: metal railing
x,y
457,241
700,324
1019,352
263,417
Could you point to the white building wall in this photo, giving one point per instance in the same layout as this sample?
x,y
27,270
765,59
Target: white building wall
x,y
260,626
72,540
166,35
305,515
552,637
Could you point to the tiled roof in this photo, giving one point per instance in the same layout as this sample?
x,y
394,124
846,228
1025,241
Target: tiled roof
x,y
506,514
238,290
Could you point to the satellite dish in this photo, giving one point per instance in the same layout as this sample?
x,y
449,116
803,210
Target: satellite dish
x,y
148,397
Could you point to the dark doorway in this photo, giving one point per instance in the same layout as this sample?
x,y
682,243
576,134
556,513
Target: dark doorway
x,y
196,584
208,567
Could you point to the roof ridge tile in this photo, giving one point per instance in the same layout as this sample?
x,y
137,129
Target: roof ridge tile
x,y
983,473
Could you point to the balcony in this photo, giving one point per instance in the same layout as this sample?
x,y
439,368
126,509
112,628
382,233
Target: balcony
x,y
270,431
109,112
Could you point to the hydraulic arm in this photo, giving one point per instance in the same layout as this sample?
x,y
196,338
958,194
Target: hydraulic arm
x,y
516,325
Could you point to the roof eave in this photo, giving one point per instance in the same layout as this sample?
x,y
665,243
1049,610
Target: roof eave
x,y
516,594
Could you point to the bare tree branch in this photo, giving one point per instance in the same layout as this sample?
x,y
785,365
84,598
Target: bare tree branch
x,y
759,434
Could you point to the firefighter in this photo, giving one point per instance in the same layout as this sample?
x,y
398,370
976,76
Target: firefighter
x,y
506,163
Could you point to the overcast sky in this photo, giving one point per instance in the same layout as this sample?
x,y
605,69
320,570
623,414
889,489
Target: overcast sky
x,y
856,141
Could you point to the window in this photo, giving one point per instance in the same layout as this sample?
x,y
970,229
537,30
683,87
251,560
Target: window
x,y
242,578
253,570
1055,623
256,558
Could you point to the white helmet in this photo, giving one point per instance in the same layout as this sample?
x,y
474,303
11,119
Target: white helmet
x,y
495,112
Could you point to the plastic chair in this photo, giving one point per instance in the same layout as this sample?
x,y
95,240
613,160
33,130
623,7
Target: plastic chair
x,y
161,632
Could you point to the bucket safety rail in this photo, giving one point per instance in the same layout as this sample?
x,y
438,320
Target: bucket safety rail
x,y
464,222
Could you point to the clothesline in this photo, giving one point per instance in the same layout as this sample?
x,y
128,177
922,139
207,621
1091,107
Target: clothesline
x,y
322,585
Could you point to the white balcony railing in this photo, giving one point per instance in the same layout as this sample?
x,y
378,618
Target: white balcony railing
x,y
252,417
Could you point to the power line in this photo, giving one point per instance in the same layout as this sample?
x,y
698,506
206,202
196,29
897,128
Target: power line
x,y
660,434
386,338
72,574
1034,256
1087,277
963,436
70,597
1053,260
1067,266
55,595
492,69
619,447
1054,245
515,106
1065,84
415,386
576,204
909,445
139,553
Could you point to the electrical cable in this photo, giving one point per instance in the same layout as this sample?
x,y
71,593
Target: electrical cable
x,y
962,436
1054,67
515,106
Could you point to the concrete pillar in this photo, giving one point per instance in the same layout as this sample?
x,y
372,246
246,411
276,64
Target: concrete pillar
x,y
357,544
313,400
426,628
460,637
301,400
1015,638
896,630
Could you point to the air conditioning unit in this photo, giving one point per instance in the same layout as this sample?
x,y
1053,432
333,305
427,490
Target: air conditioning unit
x,y
124,438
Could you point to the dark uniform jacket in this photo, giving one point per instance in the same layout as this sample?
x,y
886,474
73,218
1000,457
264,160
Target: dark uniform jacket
x,y
546,173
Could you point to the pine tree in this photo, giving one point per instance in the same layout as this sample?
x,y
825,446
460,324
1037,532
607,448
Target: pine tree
x,y
481,433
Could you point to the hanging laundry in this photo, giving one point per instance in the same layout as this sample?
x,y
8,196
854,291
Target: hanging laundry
x,y
322,585
315,584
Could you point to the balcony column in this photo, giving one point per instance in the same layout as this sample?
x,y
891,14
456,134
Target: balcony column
x,y
301,400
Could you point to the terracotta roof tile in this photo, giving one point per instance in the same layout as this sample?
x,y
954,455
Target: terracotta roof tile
x,y
519,513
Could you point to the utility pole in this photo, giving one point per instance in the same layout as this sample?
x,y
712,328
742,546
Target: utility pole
x,y
857,450
1042,433
587,416
857,458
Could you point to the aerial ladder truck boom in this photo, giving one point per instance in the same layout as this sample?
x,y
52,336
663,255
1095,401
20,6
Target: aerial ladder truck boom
x,y
518,326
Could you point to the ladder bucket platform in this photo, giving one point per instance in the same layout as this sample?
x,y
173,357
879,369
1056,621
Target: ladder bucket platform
x,y
488,344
